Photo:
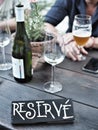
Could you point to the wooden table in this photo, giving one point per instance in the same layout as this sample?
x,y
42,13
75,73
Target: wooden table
x,y
81,86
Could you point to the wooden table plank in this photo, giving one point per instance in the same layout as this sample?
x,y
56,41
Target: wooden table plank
x,y
93,52
76,66
86,118
79,87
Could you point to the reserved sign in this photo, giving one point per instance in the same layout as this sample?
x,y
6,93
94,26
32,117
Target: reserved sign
x,y
37,111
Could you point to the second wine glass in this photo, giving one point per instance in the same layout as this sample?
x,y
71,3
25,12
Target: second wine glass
x,y
5,39
52,55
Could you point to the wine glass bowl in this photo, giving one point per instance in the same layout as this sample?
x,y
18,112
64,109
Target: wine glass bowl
x,y
82,28
53,56
5,39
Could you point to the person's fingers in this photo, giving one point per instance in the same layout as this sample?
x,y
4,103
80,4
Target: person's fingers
x,y
83,51
70,53
75,49
71,56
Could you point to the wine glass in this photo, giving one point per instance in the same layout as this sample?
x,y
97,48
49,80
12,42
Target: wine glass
x,y
52,55
5,39
82,28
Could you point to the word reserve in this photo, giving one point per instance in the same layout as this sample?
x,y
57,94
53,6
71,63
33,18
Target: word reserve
x,y
27,112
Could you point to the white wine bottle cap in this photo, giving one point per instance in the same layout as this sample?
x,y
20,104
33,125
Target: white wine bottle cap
x,y
19,11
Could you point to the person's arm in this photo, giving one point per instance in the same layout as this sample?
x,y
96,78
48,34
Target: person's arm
x,y
11,22
50,28
66,42
92,43
95,42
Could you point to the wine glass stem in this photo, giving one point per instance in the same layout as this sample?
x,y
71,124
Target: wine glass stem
x,y
52,75
3,54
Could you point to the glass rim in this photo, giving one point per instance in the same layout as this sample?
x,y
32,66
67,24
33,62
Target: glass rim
x,y
78,16
50,35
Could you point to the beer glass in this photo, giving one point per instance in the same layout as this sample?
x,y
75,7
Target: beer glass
x,y
82,28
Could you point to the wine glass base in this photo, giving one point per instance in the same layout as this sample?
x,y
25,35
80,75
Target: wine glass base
x,y
81,57
6,66
52,87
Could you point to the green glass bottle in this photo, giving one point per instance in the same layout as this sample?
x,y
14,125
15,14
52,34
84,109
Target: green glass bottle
x,y
21,52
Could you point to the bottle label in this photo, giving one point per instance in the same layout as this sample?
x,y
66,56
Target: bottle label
x,y
18,68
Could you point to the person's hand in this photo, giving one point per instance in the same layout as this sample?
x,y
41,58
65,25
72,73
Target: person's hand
x,y
67,38
70,48
72,51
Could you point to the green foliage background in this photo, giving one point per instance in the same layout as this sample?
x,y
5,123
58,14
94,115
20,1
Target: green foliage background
x,y
34,21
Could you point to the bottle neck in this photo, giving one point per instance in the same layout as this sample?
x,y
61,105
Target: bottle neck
x,y
20,27
19,10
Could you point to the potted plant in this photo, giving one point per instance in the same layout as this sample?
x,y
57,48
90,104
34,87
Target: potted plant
x,y
34,22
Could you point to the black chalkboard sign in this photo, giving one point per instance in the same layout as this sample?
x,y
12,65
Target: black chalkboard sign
x,y
37,111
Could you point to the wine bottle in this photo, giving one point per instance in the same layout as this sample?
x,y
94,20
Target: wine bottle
x,y
21,52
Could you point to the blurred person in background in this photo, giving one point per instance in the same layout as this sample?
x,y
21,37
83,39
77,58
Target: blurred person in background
x,y
7,10
70,8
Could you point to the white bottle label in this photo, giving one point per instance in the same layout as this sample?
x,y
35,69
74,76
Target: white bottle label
x,y
18,68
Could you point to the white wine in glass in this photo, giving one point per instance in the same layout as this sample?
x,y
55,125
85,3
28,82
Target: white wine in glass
x,y
82,29
52,55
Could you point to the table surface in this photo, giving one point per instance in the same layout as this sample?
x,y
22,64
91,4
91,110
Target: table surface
x,y
81,86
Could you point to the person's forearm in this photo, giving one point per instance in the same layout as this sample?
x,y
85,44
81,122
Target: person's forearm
x,y
11,23
50,28
95,42
92,42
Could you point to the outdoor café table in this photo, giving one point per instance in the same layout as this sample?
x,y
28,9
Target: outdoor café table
x,y
80,86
